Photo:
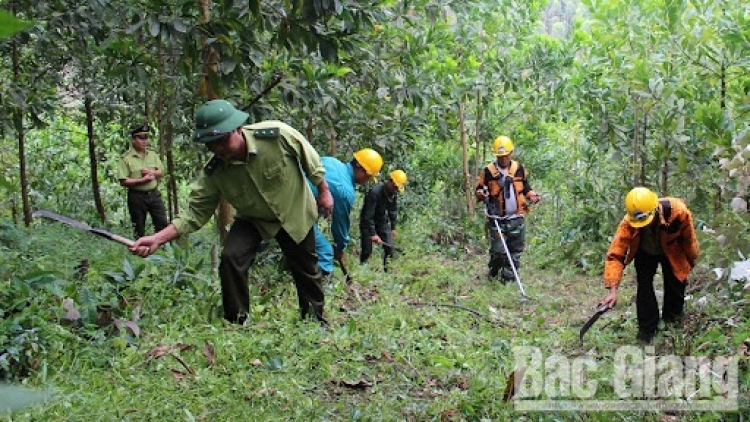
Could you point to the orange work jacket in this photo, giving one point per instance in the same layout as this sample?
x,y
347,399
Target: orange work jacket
x,y
516,170
676,234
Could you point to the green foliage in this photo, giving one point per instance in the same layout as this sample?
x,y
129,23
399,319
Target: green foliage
x,y
10,25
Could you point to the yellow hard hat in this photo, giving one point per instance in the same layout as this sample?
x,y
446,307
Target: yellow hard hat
x,y
399,179
370,160
641,204
502,146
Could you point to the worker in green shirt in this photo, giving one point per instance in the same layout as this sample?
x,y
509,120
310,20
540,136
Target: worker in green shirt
x,y
261,170
139,170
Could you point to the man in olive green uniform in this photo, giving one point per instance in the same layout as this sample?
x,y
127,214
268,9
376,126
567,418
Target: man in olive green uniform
x,y
261,170
139,170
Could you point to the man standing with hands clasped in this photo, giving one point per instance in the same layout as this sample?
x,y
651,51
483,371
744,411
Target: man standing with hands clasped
x,y
653,232
139,170
262,171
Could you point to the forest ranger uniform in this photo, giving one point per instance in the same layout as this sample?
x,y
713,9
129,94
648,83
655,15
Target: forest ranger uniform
x,y
270,195
143,199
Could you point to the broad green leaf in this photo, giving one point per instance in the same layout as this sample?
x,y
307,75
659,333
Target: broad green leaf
x,y
154,26
4,183
127,268
682,162
343,71
40,277
179,26
10,25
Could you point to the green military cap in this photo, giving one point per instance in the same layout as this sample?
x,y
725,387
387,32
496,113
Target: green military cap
x,y
215,119
139,130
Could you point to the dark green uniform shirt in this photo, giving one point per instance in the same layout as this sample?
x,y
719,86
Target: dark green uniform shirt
x,y
379,212
131,164
269,189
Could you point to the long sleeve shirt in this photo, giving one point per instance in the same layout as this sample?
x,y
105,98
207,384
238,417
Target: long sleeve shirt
x,y
131,164
340,179
268,189
676,235
379,211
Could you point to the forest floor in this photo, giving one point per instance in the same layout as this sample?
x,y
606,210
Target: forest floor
x,y
432,339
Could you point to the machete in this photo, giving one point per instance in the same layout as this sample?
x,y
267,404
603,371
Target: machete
x,y
83,226
599,312
276,80
395,248
347,278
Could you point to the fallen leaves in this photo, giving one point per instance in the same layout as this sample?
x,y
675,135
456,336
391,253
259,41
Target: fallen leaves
x,y
161,351
208,351
71,313
263,392
128,326
355,385
514,378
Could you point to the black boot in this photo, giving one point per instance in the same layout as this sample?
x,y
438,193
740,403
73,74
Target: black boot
x,y
318,308
492,273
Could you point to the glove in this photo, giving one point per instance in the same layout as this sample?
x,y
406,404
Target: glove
x,y
482,193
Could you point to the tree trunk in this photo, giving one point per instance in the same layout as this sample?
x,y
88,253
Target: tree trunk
x,y
465,160
723,106
665,175
478,156
332,143
165,144
643,140
92,158
18,120
634,169
174,205
309,128
225,211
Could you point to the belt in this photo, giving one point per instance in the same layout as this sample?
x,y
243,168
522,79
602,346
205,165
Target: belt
x,y
503,218
143,192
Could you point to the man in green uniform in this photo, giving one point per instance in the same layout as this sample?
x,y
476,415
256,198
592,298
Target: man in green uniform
x,y
261,170
377,221
139,170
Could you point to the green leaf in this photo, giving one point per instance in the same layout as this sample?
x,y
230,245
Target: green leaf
x,y
4,183
682,163
343,71
179,26
127,268
155,26
39,277
10,25
275,364
328,50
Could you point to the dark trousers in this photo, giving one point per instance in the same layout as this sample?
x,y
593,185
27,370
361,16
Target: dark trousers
x,y
646,305
514,233
140,205
242,244
366,246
